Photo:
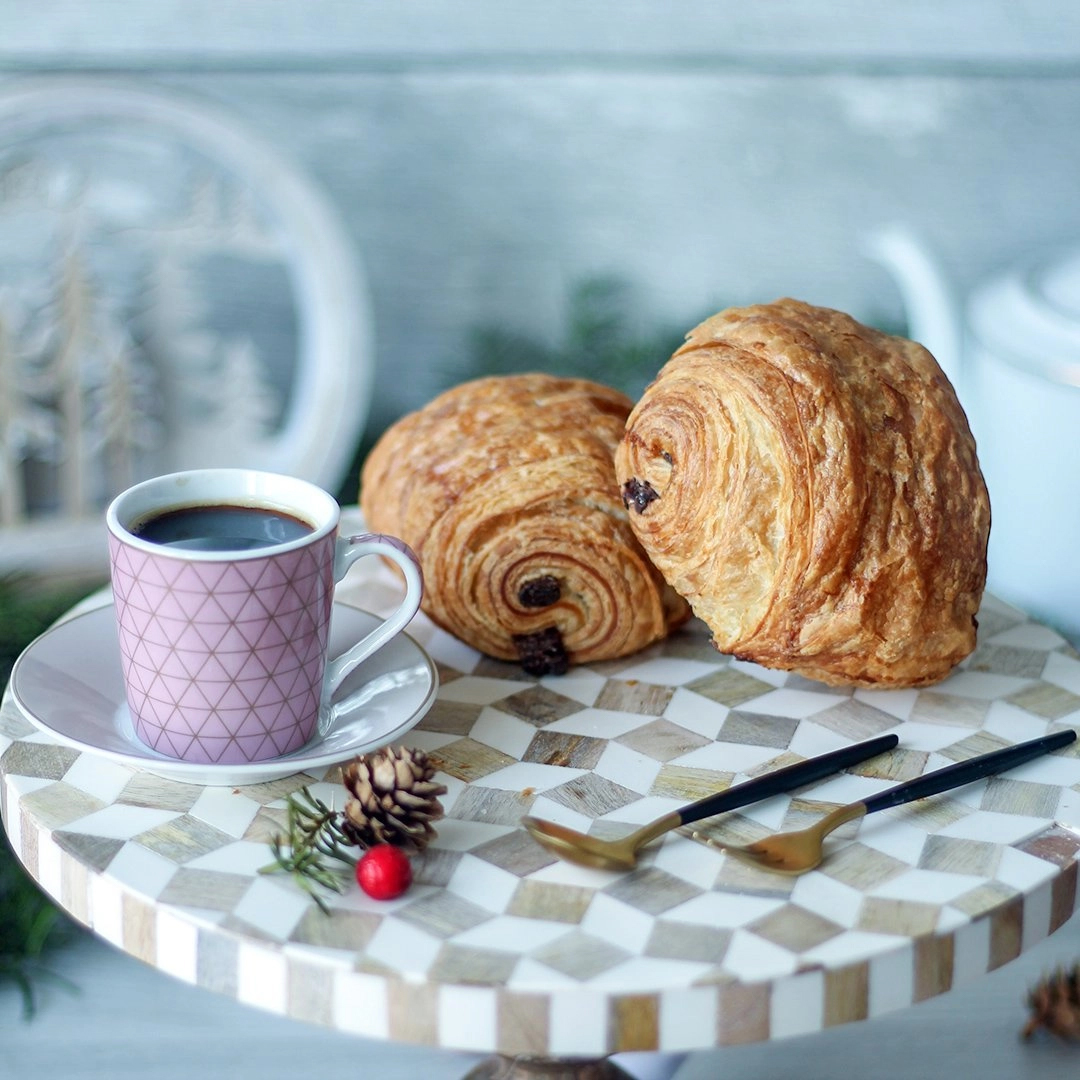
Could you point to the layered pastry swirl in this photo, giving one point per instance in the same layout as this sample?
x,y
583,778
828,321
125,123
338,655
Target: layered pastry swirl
x,y
810,485
505,489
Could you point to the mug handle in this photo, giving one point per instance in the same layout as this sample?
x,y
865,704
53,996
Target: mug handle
x,y
348,550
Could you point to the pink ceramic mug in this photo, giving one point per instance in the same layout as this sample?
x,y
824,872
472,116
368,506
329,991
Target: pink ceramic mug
x,y
223,634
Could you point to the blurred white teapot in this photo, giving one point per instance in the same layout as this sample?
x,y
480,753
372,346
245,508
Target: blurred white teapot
x,y
1013,353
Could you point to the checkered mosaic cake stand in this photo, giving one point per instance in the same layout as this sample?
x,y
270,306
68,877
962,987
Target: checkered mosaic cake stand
x,y
498,947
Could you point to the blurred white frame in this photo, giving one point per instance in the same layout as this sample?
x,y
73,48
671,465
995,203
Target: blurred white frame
x,y
331,383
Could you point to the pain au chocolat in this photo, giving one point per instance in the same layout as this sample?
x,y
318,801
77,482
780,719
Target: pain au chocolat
x,y
810,485
505,488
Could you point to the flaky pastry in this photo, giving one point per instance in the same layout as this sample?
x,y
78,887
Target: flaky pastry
x,y
811,486
505,489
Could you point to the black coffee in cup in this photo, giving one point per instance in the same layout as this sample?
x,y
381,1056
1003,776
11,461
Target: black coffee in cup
x,y
221,528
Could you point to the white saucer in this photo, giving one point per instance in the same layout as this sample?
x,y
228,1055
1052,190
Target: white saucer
x,y
68,684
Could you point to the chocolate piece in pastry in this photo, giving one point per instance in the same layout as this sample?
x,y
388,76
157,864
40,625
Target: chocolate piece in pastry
x,y
505,489
810,485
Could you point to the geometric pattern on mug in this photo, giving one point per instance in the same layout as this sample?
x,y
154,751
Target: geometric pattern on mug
x,y
223,661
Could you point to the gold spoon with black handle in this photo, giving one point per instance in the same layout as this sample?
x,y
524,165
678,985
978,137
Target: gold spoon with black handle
x,y
802,850
621,854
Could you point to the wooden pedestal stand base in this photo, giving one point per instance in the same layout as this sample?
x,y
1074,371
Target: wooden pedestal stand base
x,y
530,1068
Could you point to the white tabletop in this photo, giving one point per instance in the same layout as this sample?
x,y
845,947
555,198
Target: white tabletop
x,y
498,947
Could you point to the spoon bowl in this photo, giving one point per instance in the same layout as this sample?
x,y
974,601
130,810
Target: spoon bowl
x,y
578,847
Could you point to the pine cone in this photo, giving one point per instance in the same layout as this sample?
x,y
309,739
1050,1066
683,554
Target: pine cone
x,y
392,798
1055,1005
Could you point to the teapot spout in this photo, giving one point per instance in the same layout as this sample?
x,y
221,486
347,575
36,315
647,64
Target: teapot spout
x,y
932,310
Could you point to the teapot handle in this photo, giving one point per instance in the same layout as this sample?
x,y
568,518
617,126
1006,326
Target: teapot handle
x,y
934,316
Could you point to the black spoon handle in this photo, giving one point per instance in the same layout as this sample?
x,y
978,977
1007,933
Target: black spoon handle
x,y
792,776
965,772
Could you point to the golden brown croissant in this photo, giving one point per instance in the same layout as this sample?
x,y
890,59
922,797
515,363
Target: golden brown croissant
x,y
505,489
810,485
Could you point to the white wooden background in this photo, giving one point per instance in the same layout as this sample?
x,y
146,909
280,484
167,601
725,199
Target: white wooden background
x,y
486,155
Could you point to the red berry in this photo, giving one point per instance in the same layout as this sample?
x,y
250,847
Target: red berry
x,y
384,872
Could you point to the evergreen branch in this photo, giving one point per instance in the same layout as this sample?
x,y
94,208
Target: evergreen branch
x,y
31,926
602,339
313,833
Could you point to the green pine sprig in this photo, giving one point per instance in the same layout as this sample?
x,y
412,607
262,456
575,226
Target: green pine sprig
x,y
31,926
602,339
313,834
